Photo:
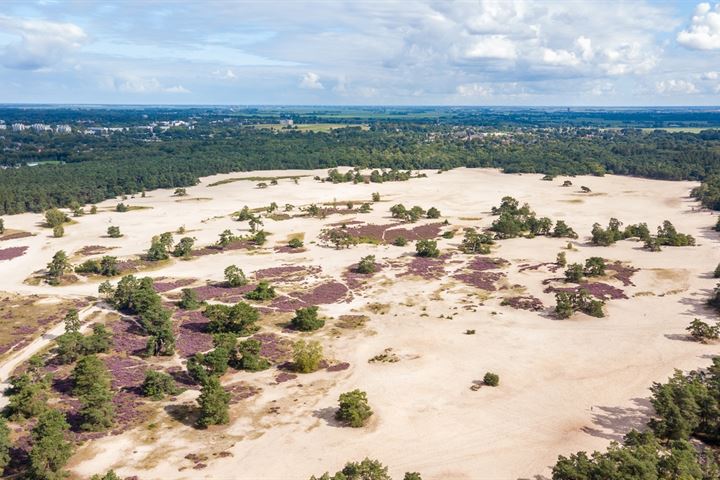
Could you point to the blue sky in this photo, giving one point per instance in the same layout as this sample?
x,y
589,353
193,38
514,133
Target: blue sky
x,y
511,52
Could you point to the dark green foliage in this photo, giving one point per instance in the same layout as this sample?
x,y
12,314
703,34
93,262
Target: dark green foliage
x,y
433,213
427,248
2,226
295,243
640,231
226,238
5,445
642,457
400,241
514,220
412,476
574,273
342,238
307,356
561,259
50,450
184,247
668,235
491,379
365,470
714,300
109,475
306,319
716,273
189,300
91,385
474,242
595,267
72,345
57,267
250,359
159,247
55,218
158,384
121,207
214,402
58,231
239,318
367,264
354,408
608,236
234,276
562,230
702,331
568,303
106,266
156,322
28,392
413,214
264,291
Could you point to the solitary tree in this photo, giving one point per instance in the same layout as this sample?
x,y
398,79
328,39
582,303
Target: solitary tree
x,y
184,247
307,355
158,384
427,248
367,264
306,319
92,386
354,408
58,231
491,379
57,267
214,402
114,232
234,276
189,299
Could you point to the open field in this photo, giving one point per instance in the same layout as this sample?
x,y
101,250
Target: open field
x,y
566,385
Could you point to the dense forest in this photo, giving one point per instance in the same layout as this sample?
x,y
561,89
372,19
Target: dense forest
x,y
90,168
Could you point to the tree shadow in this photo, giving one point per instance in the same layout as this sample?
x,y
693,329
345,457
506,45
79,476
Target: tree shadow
x,y
185,414
328,414
679,337
615,422
697,303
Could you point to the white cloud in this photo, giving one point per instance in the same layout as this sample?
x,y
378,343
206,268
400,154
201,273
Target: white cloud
x,y
492,46
312,81
703,32
473,90
675,86
225,74
711,75
559,57
40,44
140,85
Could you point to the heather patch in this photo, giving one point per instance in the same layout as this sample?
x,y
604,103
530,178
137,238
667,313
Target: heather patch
x,y
287,273
191,333
128,337
550,266
90,250
622,272
275,348
478,273
388,233
338,367
221,292
527,302
12,252
241,391
166,286
426,267
599,290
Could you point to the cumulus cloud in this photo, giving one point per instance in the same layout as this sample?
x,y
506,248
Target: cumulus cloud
x,y
311,81
225,74
473,90
492,46
675,86
40,43
703,33
140,85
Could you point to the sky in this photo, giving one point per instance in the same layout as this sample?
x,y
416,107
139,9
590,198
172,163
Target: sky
x,y
360,52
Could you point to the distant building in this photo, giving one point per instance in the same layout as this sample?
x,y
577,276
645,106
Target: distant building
x,y
40,127
3,126
63,129
286,122
18,127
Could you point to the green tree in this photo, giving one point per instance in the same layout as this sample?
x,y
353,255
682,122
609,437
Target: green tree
x,y
2,226
55,217
234,276
214,404
189,300
250,356
367,265
491,379
158,384
354,409
427,248
263,291
58,267
295,243
306,319
58,231
91,382
433,213
564,306
50,450
595,267
109,475
239,318
307,355
184,247
561,259
5,445
574,273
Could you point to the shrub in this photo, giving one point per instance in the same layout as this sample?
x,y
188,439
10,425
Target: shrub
x,y
250,356
367,264
595,267
491,379
189,299
574,273
702,331
214,402
121,207
307,356
234,276
306,319
262,292
427,248
114,232
400,242
239,318
295,243
354,408
433,213
561,259
58,231
158,384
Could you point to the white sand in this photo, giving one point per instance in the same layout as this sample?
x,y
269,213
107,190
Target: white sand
x,y
565,385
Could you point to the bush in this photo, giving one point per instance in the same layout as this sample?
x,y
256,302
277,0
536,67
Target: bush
x,y
427,248
295,243
574,273
262,292
114,232
702,331
189,300
400,242
238,319
234,276
214,402
58,231
491,379
306,319
307,356
121,207
433,213
354,409
250,356
158,384
367,264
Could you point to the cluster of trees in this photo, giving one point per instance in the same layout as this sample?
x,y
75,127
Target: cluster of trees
x,y
94,169
703,331
427,248
515,220
686,408
367,469
262,292
667,235
576,272
72,344
581,300
107,266
239,319
413,214
138,297
474,242
376,176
